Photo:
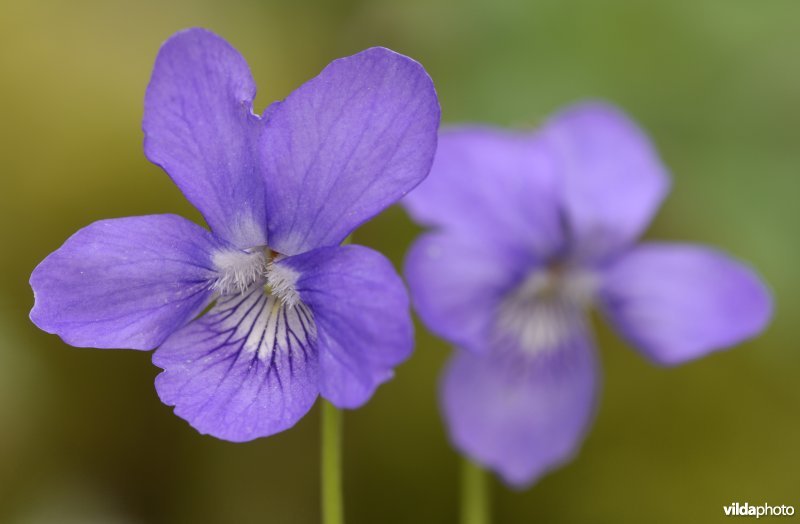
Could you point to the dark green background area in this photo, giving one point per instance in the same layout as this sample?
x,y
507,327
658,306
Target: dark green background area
x,y
83,437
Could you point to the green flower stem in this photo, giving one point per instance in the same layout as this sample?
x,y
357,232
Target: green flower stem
x,y
331,465
475,499
331,457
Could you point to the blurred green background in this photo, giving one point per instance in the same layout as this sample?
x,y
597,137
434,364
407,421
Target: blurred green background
x,y
83,437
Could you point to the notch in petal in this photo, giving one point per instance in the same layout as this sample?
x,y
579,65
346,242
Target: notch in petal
x,y
361,310
346,145
613,179
125,282
678,302
518,415
199,126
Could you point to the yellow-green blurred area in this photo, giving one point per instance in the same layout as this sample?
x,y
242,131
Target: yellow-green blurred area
x,y
83,436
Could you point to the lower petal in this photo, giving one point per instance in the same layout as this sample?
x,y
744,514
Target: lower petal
x,y
246,369
361,310
125,282
680,302
521,415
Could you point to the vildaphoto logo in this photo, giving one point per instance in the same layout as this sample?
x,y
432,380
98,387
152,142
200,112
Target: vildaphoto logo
x,y
764,510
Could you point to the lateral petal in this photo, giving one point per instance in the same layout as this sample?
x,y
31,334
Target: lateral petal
x,y
125,282
361,310
458,285
678,302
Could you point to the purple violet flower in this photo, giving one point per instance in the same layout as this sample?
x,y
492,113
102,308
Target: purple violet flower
x,y
532,229
294,314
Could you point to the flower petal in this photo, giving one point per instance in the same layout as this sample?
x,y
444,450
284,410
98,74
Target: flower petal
x,y
457,286
125,282
679,302
493,186
517,414
613,179
346,145
199,126
246,369
361,310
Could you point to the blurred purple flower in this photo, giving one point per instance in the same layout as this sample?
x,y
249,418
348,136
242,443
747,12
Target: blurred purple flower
x,y
294,314
532,230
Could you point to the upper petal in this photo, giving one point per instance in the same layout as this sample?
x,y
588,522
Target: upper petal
x,y
126,282
199,126
612,178
521,415
246,369
346,145
679,302
458,285
493,186
361,310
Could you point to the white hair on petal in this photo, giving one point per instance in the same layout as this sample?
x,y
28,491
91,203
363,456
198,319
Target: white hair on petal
x,y
281,280
238,270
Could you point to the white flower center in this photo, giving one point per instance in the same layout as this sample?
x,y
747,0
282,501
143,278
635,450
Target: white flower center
x,y
259,306
547,309
238,271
